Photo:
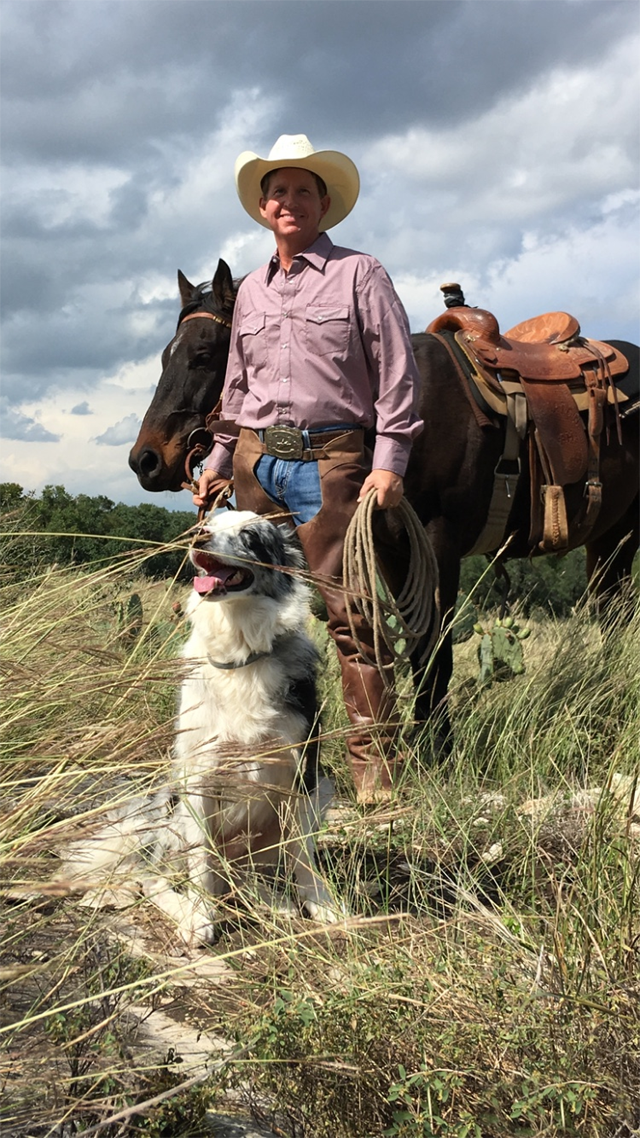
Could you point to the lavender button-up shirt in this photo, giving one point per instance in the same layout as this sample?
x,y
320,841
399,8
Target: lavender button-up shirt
x,y
323,345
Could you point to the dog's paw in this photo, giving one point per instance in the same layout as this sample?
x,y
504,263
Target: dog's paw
x,y
325,912
197,926
195,920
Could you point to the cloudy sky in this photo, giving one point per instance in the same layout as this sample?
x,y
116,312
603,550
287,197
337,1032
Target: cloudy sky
x,y
496,140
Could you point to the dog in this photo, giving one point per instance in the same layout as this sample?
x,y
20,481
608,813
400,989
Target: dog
x,y
245,792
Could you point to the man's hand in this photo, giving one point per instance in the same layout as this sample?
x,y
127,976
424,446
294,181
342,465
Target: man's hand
x,y
209,485
390,488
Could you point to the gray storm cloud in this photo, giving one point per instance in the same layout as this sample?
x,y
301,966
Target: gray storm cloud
x,y
496,141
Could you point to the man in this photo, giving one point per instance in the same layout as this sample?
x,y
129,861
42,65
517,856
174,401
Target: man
x,y
320,354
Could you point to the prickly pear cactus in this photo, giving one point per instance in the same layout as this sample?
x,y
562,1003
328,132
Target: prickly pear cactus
x,y
500,652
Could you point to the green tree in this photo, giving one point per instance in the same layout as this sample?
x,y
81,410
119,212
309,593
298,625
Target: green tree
x,y
554,584
78,526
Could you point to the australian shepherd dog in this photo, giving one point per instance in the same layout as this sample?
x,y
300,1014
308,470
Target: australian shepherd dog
x,y
244,795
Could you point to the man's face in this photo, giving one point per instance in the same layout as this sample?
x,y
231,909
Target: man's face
x,y
293,207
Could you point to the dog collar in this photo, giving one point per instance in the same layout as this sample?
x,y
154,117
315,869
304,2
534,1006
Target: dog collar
x,y
243,664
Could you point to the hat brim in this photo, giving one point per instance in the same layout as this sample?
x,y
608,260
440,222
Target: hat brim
x,y
338,172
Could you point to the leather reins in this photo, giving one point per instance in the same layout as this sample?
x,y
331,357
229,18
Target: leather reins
x,y
198,447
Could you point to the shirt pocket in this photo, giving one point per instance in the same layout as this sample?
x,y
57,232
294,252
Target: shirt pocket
x,y
327,330
253,337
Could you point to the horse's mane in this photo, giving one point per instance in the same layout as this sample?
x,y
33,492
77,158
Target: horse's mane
x,y
204,299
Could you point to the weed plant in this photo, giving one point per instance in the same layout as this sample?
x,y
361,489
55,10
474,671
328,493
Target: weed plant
x,y
486,981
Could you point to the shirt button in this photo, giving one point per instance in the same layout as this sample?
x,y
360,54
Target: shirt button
x,y
283,346
284,379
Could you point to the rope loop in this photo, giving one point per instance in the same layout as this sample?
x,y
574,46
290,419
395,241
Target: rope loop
x,y
406,619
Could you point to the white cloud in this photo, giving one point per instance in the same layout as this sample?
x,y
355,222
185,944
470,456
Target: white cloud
x,y
123,432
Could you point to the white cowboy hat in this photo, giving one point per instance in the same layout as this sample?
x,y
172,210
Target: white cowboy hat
x,y
336,170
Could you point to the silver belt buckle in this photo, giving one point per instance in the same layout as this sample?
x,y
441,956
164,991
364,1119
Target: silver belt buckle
x,y
283,442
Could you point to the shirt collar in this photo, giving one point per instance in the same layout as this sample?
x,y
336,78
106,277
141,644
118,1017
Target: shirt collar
x,y
317,255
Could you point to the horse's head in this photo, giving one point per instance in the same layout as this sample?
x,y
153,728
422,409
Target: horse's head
x,y
193,370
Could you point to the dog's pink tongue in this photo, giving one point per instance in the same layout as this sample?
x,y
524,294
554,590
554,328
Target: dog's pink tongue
x,y
210,584
206,584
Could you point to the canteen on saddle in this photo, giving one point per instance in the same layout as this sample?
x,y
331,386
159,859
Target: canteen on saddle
x,y
557,374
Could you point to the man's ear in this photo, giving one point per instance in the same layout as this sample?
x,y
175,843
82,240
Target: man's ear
x,y
325,202
263,206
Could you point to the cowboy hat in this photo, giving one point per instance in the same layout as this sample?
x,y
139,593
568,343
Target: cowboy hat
x,y
336,170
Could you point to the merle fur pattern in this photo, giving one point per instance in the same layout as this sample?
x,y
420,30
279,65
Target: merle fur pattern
x,y
244,793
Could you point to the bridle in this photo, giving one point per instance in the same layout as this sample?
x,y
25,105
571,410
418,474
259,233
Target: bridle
x,y
200,440
208,316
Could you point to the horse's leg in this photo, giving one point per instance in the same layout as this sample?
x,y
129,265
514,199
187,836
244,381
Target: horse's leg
x,y
432,681
610,558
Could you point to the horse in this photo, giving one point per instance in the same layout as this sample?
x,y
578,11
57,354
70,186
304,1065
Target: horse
x,y
449,480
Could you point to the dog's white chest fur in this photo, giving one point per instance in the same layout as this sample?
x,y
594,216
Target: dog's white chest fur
x,y
244,703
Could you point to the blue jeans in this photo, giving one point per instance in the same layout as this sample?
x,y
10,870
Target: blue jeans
x,y
293,484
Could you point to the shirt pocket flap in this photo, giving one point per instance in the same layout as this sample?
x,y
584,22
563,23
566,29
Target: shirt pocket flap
x,y
320,315
252,323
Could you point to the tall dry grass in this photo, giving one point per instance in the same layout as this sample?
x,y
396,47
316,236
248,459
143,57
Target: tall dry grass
x,y
486,983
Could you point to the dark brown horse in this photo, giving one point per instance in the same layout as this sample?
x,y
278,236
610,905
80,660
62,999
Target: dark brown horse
x,y
193,368
450,476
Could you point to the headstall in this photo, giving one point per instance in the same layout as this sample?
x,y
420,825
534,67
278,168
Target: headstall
x,y
209,316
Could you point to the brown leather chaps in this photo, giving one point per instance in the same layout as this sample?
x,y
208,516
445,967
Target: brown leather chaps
x,y
371,709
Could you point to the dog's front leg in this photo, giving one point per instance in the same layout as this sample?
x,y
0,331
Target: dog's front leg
x,y
205,879
185,844
312,889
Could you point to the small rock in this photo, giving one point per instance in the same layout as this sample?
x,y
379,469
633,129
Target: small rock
x,y
493,854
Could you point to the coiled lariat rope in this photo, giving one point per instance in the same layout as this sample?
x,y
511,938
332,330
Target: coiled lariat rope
x,y
415,612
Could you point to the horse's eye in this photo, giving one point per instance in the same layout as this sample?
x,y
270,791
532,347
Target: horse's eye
x,y
201,359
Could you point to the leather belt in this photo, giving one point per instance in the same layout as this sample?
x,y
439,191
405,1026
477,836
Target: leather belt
x,y
301,446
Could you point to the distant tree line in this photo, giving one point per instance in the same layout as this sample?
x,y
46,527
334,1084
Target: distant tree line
x,y
78,525
83,529
552,584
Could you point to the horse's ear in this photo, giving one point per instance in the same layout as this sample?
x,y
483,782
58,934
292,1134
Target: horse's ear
x,y
223,287
187,290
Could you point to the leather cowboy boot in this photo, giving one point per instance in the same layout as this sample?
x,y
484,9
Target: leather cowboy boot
x,y
371,707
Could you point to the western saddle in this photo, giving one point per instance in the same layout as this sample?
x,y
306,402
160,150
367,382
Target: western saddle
x,y
541,374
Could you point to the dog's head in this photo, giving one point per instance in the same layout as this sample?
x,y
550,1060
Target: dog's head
x,y
238,554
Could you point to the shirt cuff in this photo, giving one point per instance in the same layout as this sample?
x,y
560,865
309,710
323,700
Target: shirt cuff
x,y
391,454
221,457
